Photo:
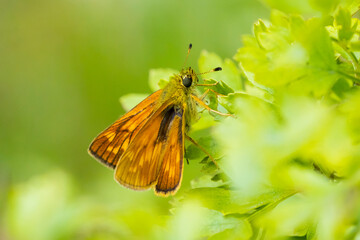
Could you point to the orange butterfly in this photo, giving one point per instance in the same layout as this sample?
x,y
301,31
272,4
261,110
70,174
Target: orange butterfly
x,y
146,145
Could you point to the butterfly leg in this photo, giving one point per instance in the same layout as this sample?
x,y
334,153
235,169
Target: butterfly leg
x,y
207,92
208,84
199,101
202,149
187,160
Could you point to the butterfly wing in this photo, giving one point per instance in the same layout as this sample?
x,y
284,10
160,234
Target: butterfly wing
x,y
110,144
170,174
155,153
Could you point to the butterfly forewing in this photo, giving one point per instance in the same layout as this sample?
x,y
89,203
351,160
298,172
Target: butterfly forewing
x,y
112,142
140,165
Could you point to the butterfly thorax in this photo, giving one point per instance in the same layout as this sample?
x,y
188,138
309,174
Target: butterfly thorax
x,y
179,89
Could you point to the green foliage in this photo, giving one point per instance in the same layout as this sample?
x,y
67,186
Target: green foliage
x,y
129,101
289,158
158,78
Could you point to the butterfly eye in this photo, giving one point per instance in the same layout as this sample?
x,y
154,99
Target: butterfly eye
x,y
187,81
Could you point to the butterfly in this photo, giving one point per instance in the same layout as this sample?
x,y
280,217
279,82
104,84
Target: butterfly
x,y
146,145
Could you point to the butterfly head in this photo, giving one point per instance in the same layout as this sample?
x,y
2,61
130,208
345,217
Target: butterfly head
x,y
188,77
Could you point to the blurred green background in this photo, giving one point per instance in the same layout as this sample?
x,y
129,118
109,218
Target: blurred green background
x,y
63,66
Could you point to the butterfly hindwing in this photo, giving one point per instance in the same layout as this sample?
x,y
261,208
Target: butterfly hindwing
x,y
109,145
170,174
159,142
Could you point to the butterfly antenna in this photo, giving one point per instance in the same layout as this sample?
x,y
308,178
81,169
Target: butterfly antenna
x,y
212,70
187,55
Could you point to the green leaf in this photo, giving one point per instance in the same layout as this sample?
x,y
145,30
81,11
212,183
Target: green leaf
x,y
231,102
220,87
318,44
202,223
158,78
355,46
207,142
343,20
220,177
215,222
291,53
206,180
242,231
229,202
129,101
230,74
204,123
208,166
341,87
350,109
281,220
